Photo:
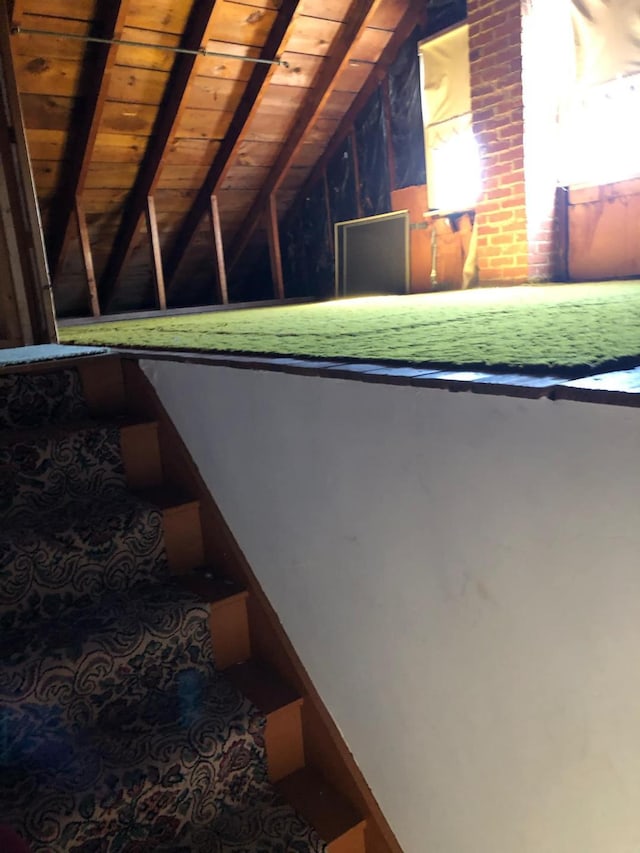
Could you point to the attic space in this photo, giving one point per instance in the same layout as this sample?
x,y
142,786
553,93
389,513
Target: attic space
x,y
202,152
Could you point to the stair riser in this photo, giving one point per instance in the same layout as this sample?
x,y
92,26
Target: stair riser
x,y
103,386
183,538
352,841
141,455
284,741
229,625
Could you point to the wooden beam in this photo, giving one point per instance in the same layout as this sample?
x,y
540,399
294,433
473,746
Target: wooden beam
x,y
100,61
260,76
164,129
413,16
221,270
360,15
87,257
274,247
156,253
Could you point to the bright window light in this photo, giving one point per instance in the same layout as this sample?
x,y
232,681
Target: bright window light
x,y
455,174
599,134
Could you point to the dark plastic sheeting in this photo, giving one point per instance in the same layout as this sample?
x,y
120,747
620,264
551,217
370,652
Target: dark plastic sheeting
x,y
407,135
342,184
307,256
373,164
443,14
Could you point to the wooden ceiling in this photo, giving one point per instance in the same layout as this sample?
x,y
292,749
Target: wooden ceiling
x,y
127,140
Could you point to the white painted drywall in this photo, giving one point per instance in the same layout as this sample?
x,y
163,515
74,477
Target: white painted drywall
x,y
460,575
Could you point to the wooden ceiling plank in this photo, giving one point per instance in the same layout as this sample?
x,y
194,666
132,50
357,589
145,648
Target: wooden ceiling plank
x,y
83,141
156,254
87,257
17,13
360,14
166,123
411,18
234,137
221,269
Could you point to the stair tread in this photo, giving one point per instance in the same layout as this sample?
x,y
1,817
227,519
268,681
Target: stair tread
x,y
210,587
76,555
61,660
319,803
11,435
166,496
262,685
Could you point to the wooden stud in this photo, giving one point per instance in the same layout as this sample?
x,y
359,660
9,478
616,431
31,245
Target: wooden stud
x,y
84,137
24,211
87,257
164,129
356,170
360,16
13,284
251,99
221,270
156,253
275,255
386,113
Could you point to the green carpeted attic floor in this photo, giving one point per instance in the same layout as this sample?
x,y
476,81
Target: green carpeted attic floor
x,y
566,330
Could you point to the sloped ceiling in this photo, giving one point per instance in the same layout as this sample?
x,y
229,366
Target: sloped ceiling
x,y
111,126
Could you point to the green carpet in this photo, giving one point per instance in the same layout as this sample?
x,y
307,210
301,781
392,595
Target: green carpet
x,y
566,330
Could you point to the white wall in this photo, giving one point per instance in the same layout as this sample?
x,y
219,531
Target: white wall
x,y
460,576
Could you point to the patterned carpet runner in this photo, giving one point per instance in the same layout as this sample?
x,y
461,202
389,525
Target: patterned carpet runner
x,y
117,732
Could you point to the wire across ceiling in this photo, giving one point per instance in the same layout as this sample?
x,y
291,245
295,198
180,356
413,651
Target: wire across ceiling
x,y
201,51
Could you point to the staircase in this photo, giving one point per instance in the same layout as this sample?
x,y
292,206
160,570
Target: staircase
x,y
136,713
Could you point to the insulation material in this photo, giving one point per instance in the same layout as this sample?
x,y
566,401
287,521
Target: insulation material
x,y
371,148
607,39
342,184
453,162
600,107
407,131
446,78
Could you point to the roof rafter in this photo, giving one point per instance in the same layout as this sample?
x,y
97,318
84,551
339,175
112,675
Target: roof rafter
x,y
360,15
256,86
83,141
166,123
414,15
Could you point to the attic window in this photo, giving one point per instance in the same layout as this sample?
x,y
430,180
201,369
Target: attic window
x,y
452,156
599,118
